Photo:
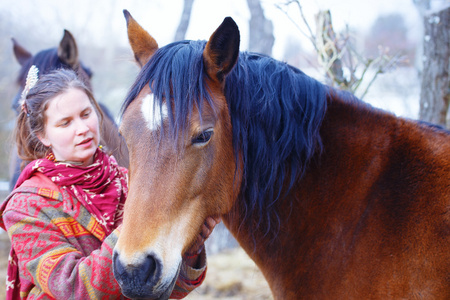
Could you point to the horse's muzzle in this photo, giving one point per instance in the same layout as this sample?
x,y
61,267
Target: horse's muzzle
x,y
143,280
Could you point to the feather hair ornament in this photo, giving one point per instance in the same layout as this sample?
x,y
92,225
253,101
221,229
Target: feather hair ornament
x,y
32,79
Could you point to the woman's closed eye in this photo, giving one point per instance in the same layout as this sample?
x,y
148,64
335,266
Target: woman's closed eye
x,y
64,123
85,114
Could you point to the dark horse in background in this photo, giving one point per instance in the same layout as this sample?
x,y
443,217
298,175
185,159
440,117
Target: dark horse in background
x,y
332,198
65,56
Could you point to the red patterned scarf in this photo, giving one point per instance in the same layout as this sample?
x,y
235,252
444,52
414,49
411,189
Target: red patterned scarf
x,y
101,187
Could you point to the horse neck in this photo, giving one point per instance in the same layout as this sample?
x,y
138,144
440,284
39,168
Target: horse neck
x,y
375,175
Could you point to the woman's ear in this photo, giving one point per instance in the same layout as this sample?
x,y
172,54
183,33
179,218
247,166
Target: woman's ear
x,y
44,140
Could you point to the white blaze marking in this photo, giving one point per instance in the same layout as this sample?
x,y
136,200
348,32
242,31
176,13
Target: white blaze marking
x,y
152,114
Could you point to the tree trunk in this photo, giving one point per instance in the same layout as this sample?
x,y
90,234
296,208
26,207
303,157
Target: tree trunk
x,y
435,90
180,34
261,38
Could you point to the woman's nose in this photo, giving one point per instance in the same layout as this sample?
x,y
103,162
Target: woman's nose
x,y
82,127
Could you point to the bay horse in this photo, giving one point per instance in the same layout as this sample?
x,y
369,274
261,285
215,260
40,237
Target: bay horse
x,y
64,56
332,198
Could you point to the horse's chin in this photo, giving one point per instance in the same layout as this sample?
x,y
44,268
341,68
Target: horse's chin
x,y
160,292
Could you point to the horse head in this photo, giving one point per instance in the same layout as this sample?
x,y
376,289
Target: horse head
x,y
63,56
182,164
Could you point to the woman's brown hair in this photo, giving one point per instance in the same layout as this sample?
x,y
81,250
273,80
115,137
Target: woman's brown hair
x,y
32,119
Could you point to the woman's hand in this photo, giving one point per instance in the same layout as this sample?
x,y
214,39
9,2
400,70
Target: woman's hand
x,y
191,255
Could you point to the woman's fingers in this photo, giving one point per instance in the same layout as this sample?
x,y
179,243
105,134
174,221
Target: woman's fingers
x,y
205,231
208,226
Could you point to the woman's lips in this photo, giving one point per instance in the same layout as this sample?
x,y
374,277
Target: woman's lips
x,y
85,143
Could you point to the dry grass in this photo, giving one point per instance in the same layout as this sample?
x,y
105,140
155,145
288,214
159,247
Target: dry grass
x,y
232,275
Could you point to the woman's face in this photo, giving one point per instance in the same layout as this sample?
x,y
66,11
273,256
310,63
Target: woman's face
x,y
72,128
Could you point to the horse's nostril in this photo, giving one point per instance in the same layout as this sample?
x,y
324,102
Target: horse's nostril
x,y
118,267
149,269
142,279
137,278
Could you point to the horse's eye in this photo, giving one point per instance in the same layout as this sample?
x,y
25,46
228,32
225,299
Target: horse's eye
x,y
203,137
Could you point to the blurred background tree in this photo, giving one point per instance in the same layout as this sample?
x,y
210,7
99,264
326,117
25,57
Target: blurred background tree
x,y
261,37
435,87
344,64
389,30
180,34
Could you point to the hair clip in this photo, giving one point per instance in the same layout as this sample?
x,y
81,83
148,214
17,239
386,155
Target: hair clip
x,y
32,79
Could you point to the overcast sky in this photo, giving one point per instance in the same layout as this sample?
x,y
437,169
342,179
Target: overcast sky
x,y
103,19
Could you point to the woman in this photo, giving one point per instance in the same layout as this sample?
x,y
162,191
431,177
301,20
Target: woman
x,y
64,214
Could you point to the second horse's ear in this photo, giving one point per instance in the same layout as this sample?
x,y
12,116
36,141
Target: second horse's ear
x,y
68,50
141,42
222,50
22,55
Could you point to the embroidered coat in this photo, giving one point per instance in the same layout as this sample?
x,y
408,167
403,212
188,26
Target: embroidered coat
x,y
60,251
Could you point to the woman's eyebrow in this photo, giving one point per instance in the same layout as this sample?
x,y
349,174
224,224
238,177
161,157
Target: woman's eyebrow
x,y
87,108
63,119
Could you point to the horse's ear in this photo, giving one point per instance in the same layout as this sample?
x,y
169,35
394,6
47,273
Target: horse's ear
x,y
141,42
67,50
222,50
21,54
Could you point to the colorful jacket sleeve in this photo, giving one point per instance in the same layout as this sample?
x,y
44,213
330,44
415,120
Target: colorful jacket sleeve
x,y
48,260
69,262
